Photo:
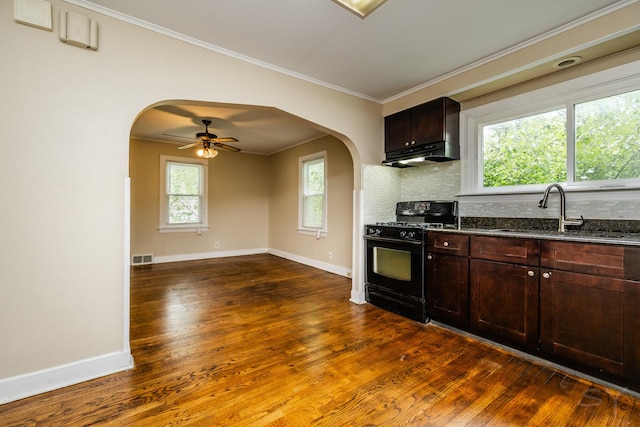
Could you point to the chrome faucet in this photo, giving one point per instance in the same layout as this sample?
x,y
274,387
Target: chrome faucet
x,y
563,219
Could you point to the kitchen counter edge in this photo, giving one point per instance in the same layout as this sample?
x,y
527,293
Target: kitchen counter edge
x,y
629,239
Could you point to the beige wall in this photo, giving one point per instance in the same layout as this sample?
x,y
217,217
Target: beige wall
x,y
238,205
283,212
66,118
253,206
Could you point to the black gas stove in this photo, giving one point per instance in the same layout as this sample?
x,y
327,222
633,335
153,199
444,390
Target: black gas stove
x,y
395,276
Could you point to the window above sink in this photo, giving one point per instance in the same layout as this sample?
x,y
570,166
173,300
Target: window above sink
x,y
584,133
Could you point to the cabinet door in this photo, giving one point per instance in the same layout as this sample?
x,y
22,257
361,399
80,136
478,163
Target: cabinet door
x,y
448,289
430,122
591,320
504,302
398,131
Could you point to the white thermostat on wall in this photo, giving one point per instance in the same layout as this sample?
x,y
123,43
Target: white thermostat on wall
x,y
78,30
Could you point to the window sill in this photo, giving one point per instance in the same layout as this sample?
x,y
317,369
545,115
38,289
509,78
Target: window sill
x,y
184,229
313,232
576,194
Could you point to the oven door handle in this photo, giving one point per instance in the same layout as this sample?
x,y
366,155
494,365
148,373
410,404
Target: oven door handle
x,y
388,240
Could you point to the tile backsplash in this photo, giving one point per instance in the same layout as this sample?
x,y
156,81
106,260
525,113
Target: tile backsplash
x,y
384,186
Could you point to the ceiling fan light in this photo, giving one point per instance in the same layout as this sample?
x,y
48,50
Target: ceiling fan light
x,y
361,8
200,152
209,153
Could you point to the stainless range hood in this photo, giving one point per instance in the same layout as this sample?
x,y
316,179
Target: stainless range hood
x,y
436,152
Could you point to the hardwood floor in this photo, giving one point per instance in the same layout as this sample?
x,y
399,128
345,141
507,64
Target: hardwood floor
x,y
259,340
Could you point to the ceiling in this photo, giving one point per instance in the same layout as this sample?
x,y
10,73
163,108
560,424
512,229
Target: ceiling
x,y
259,130
402,45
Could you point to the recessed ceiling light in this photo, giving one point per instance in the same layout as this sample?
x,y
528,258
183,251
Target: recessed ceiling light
x,y
361,8
567,62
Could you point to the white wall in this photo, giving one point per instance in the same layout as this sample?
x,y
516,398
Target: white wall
x,y
66,117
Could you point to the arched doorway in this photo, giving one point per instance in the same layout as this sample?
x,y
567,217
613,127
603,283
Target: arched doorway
x,y
252,196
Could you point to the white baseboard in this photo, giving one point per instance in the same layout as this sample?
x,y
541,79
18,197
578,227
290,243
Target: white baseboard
x,y
22,386
357,298
207,255
336,269
282,254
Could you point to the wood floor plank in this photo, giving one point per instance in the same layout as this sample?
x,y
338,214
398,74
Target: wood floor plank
x,y
262,341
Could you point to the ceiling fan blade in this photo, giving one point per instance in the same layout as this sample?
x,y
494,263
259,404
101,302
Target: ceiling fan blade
x,y
226,147
227,139
176,110
178,136
184,147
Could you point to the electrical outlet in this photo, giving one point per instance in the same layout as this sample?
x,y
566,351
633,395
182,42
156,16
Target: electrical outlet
x,y
217,245
330,255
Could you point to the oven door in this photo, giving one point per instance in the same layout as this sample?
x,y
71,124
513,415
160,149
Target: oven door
x,y
395,265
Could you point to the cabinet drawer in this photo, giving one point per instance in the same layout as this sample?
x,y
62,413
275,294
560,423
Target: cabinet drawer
x,y
505,249
448,243
601,260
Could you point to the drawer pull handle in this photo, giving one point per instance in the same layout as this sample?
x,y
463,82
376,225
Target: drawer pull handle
x,y
429,256
546,275
531,273
445,244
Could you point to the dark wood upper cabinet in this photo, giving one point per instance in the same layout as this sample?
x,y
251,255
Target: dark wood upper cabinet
x,y
398,131
430,129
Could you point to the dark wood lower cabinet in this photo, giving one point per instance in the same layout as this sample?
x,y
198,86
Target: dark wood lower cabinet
x,y
591,320
575,303
504,302
448,289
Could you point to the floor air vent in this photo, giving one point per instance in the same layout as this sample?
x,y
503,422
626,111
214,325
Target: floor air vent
x,y
142,259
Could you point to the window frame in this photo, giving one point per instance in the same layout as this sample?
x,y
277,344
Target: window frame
x,y
565,95
302,229
164,226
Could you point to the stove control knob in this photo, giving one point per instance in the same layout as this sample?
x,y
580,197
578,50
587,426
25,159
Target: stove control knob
x,y
411,234
403,234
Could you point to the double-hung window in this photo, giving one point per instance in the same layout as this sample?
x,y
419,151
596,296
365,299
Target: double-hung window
x,y
584,134
183,194
312,216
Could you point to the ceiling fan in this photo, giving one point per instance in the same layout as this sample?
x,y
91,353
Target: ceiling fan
x,y
209,141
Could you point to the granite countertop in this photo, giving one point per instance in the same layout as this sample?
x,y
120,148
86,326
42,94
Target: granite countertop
x,y
617,238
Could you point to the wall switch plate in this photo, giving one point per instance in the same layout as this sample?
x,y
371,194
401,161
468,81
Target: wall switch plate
x,y
36,13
